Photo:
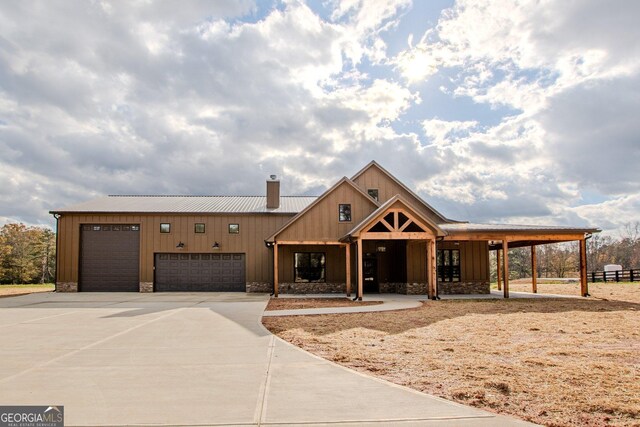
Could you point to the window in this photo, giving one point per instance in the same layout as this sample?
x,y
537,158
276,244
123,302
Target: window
x,y
344,213
449,265
373,192
234,228
199,228
165,227
309,266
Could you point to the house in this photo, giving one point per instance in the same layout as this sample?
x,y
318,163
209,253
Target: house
x,y
366,234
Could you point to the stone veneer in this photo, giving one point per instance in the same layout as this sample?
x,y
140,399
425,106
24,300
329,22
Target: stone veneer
x,y
67,287
412,288
461,288
259,287
146,287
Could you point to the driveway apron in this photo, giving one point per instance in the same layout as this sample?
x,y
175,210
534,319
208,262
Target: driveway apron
x,y
117,359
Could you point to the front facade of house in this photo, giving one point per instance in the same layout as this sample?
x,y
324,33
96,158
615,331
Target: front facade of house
x,y
366,234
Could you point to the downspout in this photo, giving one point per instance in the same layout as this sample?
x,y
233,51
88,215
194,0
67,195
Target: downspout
x,y
57,217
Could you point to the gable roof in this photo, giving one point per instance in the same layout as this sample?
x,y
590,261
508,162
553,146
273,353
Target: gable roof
x,y
318,200
188,204
386,205
375,164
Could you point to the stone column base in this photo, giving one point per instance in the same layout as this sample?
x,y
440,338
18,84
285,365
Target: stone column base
x,y
67,287
146,287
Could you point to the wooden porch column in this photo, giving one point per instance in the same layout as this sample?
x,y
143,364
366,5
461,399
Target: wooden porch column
x,y
360,272
432,272
534,270
275,270
584,285
348,268
505,248
499,270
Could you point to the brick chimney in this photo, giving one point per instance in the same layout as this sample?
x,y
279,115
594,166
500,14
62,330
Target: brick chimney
x,y
273,192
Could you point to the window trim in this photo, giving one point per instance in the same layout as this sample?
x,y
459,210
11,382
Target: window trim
x,y
451,273
340,208
323,270
167,224
237,227
195,228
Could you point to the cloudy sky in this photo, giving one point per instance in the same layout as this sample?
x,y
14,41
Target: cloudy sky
x,y
494,111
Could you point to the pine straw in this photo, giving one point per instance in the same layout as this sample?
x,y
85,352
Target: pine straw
x,y
299,303
556,362
15,290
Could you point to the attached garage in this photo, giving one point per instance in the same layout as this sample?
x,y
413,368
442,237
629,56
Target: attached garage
x,y
109,258
201,272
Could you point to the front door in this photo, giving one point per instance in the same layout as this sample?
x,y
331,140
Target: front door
x,y
370,273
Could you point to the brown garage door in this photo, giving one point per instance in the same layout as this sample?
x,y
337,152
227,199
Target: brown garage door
x,y
109,258
200,272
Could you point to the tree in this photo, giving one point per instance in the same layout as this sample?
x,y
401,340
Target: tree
x,y
27,254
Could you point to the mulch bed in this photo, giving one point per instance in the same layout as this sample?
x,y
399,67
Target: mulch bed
x,y
299,303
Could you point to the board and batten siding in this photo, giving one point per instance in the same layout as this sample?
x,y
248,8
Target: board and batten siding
x,y
335,268
387,188
320,222
254,229
474,260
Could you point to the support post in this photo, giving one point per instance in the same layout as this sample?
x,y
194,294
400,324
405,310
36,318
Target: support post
x,y
499,271
534,270
348,268
360,272
434,268
275,270
584,286
505,247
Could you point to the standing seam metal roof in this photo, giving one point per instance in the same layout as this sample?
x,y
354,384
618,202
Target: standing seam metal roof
x,y
188,204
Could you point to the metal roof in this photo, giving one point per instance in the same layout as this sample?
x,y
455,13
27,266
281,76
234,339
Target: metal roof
x,y
475,227
188,204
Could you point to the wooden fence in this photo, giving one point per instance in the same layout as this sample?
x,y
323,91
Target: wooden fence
x,y
615,276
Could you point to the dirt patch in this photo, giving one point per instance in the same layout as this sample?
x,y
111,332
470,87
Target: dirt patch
x,y
556,362
605,291
15,290
299,303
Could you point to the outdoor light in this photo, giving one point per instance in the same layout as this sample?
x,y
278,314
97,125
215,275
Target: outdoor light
x,y
180,245
382,248
216,245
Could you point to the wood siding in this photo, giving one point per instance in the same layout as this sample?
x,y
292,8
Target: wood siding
x,y
387,188
320,223
253,230
335,263
474,259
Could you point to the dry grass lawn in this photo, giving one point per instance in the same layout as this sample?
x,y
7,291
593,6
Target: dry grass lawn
x,y
558,362
299,303
605,291
14,290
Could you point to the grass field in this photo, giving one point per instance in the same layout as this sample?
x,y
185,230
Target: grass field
x,y
12,290
558,362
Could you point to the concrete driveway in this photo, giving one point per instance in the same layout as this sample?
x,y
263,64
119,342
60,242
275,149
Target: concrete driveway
x,y
189,359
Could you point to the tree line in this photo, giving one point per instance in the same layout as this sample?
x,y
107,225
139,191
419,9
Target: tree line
x,y
27,254
562,259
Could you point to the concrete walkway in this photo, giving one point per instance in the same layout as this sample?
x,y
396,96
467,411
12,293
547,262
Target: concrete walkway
x,y
394,302
115,359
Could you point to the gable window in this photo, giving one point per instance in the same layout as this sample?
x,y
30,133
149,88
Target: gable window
x,y
344,213
373,192
234,228
199,228
309,267
449,265
165,227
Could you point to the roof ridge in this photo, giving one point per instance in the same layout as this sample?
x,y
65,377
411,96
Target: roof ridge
x,y
191,195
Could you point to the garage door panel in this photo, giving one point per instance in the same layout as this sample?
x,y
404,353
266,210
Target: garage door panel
x,y
200,272
109,257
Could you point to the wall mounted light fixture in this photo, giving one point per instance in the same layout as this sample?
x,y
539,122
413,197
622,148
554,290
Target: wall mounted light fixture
x,y
180,245
215,245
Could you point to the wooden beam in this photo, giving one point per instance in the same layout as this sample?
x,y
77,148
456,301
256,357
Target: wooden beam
x,y
534,270
429,280
505,245
396,235
348,268
275,270
433,271
309,242
584,286
514,237
499,271
360,272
